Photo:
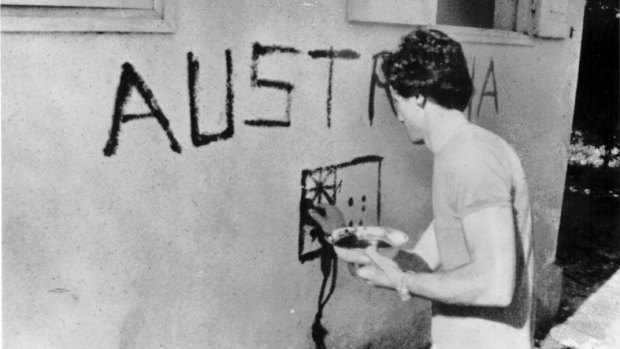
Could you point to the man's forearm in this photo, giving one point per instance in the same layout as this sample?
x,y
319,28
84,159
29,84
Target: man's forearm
x,y
488,279
461,286
411,262
467,285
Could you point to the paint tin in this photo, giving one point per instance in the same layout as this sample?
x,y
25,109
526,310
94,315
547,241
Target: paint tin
x,y
364,236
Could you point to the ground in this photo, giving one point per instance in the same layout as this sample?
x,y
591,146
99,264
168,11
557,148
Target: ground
x,y
588,239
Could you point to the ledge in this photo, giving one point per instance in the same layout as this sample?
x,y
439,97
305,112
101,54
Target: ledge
x,y
486,36
28,19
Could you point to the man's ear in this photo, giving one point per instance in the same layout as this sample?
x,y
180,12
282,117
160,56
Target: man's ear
x,y
419,100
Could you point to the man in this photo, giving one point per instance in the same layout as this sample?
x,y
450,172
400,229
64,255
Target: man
x,y
478,248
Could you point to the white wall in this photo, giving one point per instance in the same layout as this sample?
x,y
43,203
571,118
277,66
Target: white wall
x,y
151,248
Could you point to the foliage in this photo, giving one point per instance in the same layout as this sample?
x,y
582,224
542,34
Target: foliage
x,y
582,154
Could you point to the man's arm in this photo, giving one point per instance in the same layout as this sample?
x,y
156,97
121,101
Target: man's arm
x,y
426,247
423,256
487,280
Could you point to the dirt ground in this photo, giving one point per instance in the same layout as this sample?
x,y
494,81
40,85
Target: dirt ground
x,y
588,241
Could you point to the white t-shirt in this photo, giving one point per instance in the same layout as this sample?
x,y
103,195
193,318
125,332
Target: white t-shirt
x,y
477,169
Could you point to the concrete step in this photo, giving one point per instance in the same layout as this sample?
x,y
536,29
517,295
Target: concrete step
x,y
595,325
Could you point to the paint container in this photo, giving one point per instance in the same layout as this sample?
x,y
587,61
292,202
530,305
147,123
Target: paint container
x,y
349,243
364,236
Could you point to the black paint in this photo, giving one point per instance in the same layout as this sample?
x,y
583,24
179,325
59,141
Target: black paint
x,y
351,240
259,50
332,55
473,76
321,190
326,186
379,194
271,123
129,78
329,268
493,93
376,81
315,232
343,54
198,139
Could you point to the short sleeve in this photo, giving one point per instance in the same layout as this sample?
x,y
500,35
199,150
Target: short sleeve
x,y
480,181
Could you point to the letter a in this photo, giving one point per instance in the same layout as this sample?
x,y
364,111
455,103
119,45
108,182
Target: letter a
x,y
130,78
493,93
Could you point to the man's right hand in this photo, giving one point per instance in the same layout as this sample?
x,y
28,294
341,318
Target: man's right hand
x,y
330,220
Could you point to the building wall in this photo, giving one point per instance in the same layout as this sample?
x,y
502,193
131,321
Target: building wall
x,y
199,244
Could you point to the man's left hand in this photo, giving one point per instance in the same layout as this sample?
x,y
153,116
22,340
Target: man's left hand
x,y
382,271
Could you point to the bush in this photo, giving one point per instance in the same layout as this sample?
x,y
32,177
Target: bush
x,y
581,154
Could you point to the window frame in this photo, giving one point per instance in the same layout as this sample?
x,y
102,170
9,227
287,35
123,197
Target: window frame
x,y
121,16
136,4
360,11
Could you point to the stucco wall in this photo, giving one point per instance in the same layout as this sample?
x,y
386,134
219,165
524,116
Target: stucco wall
x,y
147,247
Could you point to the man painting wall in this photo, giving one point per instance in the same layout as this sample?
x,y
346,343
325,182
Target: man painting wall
x,y
478,248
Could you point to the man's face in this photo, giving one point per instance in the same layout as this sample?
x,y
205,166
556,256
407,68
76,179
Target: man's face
x,y
410,111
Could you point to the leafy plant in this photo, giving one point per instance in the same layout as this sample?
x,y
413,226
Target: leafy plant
x,y
582,154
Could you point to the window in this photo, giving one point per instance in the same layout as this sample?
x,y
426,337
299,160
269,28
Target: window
x,y
472,13
498,14
490,21
148,16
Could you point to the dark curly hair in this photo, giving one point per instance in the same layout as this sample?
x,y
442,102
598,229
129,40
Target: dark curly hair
x,y
431,64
